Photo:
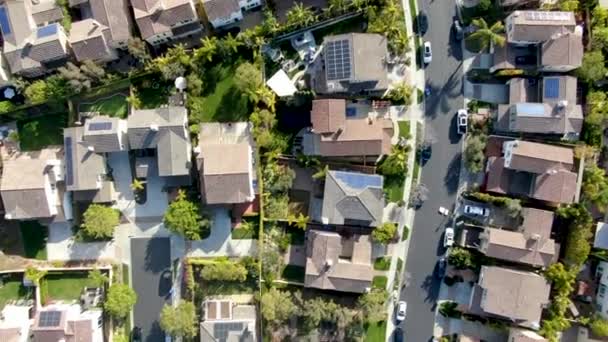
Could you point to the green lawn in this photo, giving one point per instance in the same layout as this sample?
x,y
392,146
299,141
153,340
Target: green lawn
x,y
66,286
115,105
221,101
34,239
404,129
379,282
393,187
382,263
293,273
38,133
375,332
13,290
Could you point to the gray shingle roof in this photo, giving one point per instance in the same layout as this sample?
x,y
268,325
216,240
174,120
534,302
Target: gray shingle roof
x,y
87,167
220,8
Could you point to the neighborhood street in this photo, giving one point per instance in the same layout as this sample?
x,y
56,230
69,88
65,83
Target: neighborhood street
x,y
440,174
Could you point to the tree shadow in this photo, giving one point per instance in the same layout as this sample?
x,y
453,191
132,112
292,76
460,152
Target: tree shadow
x,y
234,106
158,254
439,100
452,175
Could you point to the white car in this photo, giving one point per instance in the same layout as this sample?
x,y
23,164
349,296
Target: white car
x,y
463,121
427,53
475,210
448,237
443,211
401,308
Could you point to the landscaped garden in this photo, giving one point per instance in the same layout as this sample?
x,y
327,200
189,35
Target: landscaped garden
x,y
34,237
13,289
115,105
247,229
152,91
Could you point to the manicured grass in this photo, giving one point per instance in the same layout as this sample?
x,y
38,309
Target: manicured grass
x,y
115,105
399,265
13,290
405,234
293,273
66,286
375,332
35,134
379,282
393,187
222,101
413,10
404,129
249,229
34,239
382,263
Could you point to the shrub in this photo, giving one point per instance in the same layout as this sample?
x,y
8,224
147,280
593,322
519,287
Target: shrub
x,y
385,233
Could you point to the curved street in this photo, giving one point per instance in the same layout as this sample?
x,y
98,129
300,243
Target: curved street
x,y
440,174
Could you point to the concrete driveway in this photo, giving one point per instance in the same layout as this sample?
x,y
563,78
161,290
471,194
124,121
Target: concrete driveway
x,y
152,281
62,247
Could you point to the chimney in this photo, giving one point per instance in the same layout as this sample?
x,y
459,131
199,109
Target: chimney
x,y
154,127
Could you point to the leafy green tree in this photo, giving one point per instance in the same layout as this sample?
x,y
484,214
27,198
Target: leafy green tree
x,y
317,310
278,178
209,48
183,217
372,305
248,79
300,16
138,49
597,108
384,233
449,309
277,306
120,300
224,270
6,106
599,326
487,35
276,207
263,122
474,153
195,84
568,5
593,68
180,320
299,221
34,275
272,264
577,245
99,221
337,6
37,92
270,25
229,45
561,277
461,258
401,94
396,162
98,278
595,186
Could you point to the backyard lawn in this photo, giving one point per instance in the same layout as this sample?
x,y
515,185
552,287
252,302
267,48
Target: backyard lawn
x,y
34,239
66,286
13,290
404,129
153,91
38,133
375,332
115,105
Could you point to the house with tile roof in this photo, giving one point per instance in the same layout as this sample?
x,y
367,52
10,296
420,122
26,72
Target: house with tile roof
x,y
545,106
105,27
161,21
352,199
221,13
338,263
540,171
35,43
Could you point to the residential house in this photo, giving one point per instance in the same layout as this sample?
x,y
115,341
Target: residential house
x,y
540,171
601,236
542,40
68,322
161,21
29,185
531,244
225,320
34,41
166,131
226,180
353,63
601,297
15,323
105,134
524,335
222,12
541,107
509,294
338,263
338,135
105,27
352,199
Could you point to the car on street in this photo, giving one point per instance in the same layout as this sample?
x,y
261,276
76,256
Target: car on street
x,y
443,211
422,23
401,308
476,210
398,335
458,31
463,121
441,266
427,53
136,334
448,237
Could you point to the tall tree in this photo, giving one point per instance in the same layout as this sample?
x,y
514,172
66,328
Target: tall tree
x,y
396,162
180,320
120,300
208,49
372,305
384,233
595,186
593,68
248,79
300,16
183,217
486,35
98,278
99,221
277,306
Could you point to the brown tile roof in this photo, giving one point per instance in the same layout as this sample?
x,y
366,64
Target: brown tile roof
x,y
540,158
215,9
519,247
564,50
337,263
225,180
360,137
328,115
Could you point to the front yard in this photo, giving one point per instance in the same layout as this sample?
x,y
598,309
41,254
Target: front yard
x,y
375,332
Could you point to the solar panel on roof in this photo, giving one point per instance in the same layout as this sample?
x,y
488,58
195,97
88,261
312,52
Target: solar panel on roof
x,y
337,60
358,180
5,24
100,126
46,31
69,171
49,318
551,88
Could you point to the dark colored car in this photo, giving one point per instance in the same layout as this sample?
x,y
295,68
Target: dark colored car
x,y
441,266
398,335
136,334
525,60
422,23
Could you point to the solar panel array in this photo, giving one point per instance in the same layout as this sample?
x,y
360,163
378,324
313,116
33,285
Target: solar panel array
x,y
46,31
547,16
358,180
221,330
49,318
337,60
551,88
5,24
100,126
69,167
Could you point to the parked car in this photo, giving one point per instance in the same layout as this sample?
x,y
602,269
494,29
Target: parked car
x,y
463,121
441,266
443,211
422,23
136,334
401,309
458,31
476,210
448,237
427,53
398,335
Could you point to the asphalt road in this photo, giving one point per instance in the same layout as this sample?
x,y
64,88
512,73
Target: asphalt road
x,y
151,274
440,174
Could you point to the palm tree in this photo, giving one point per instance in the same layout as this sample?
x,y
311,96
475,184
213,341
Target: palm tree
x,y
265,95
231,43
137,185
299,221
359,4
487,35
337,6
300,16
207,50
